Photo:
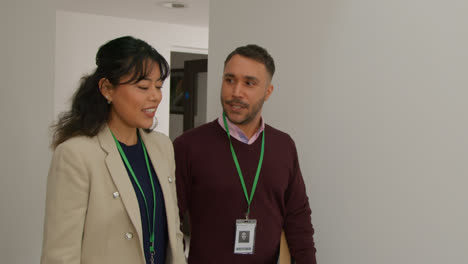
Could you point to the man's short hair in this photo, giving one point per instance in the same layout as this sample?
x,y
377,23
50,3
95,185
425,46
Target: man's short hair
x,y
256,53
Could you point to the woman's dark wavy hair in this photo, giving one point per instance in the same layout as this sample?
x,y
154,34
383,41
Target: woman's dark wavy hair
x,y
115,59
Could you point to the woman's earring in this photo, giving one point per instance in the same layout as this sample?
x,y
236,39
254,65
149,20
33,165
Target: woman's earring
x,y
155,123
108,101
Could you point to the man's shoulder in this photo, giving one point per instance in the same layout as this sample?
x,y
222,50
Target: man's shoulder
x,y
277,134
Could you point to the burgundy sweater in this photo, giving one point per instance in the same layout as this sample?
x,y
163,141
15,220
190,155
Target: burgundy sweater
x,y
208,187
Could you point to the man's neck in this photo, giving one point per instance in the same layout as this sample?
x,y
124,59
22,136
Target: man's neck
x,y
250,128
238,133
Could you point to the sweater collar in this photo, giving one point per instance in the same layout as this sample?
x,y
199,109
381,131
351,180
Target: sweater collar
x,y
238,134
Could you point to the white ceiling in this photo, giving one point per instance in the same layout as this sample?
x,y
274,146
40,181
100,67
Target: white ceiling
x,y
196,13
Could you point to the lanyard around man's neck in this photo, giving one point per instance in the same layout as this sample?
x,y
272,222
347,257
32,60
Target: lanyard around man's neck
x,y
257,174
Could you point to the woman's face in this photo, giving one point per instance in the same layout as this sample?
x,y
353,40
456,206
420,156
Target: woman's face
x,y
134,104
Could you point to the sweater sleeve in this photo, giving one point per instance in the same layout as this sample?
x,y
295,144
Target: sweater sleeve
x,y
298,225
182,172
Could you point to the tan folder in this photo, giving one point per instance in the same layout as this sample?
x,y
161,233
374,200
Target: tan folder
x,y
284,255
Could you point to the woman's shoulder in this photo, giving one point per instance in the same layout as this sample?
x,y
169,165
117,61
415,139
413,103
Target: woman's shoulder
x,y
78,144
159,137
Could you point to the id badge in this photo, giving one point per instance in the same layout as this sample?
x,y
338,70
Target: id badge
x,y
245,236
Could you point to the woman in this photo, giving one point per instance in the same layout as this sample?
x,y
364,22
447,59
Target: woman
x,y
111,194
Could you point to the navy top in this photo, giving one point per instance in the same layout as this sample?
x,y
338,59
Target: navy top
x,y
136,158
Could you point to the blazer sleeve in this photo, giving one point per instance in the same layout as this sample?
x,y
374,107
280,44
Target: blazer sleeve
x,y
179,257
66,204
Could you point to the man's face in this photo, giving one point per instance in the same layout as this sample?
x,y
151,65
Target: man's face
x,y
244,235
246,86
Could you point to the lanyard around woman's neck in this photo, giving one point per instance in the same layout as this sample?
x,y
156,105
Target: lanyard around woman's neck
x,y
129,167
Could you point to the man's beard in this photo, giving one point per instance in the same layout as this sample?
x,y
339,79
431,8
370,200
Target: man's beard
x,y
250,115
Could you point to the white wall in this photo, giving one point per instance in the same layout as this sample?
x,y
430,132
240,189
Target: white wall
x,y
26,110
80,35
375,95
201,90
176,126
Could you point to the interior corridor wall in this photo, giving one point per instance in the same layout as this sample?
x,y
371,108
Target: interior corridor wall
x,y
80,35
26,109
375,95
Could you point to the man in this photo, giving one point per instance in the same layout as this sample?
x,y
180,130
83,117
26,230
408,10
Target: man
x,y
237,174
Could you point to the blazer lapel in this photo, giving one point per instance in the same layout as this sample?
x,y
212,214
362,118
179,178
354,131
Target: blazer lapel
x,y
121,179
160,159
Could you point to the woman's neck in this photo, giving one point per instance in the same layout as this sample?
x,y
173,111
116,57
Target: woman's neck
x,y
126,135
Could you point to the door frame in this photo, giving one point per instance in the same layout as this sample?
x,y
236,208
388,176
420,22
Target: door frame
x,y
191,68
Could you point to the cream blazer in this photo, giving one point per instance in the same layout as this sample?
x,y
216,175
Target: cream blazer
x,y
92,214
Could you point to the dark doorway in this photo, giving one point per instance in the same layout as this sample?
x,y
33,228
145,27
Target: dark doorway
x,y
188,92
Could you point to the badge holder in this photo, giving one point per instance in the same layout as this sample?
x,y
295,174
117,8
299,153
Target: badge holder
x,y
245,236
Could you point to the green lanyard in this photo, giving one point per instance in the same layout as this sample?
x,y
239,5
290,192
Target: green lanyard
x,y
257,174
124,157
